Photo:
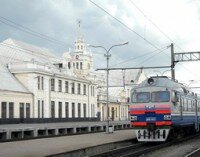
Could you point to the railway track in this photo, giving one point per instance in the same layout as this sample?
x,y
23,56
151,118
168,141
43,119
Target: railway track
x,y
194,153
138,149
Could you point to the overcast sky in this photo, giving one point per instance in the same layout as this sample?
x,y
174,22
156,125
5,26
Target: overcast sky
x,y
178,19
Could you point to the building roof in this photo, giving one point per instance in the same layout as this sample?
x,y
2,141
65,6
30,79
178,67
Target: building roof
x,y
14,51
9,82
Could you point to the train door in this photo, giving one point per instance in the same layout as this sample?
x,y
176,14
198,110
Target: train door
x,y
176,103
196,114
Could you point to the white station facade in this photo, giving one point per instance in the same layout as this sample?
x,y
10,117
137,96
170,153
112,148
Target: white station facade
x,y
36,84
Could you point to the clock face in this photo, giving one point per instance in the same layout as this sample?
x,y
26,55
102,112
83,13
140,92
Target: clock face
x,y
77,56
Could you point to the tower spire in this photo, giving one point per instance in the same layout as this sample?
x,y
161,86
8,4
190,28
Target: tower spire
x,y
79,43
79,29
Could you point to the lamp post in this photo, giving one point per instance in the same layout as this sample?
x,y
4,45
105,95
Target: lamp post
x,y
107,55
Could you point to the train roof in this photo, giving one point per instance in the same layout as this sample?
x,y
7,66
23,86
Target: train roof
x,y
162,81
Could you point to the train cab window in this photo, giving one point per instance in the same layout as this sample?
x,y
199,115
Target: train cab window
x,y
141,97
160,96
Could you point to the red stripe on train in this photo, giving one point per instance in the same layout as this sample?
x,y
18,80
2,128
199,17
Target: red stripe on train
x,y
163,123
136,112
139,123
156,123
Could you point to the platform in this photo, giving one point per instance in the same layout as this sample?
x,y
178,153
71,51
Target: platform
x,y
56,145
26,131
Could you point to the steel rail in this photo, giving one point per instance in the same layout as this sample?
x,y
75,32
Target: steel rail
x,y
142,148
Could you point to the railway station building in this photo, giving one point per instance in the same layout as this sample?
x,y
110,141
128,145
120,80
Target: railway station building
x,y
42,85
37,86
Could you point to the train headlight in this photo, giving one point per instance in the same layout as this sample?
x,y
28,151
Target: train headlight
x,y
167,117
133,118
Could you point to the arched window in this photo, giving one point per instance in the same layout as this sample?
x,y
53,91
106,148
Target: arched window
x,y
69,65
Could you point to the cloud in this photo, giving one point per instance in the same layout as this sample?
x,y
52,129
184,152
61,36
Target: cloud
x,y
178,19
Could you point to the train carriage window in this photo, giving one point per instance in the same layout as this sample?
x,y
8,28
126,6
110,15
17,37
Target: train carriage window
x,y
198,106
160,96
182,103
189,105
192,106
141,97
185,104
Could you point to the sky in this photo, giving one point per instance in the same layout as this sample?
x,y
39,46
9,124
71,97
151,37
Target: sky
x,y
176,21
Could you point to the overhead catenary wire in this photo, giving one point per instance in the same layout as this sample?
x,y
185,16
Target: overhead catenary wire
x,y
154,24
153,56
31,31
149,42
146,54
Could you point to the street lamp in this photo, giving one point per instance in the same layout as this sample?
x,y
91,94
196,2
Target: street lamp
x,y
107,55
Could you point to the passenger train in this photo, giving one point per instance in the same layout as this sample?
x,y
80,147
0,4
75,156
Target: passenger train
x,y
160,106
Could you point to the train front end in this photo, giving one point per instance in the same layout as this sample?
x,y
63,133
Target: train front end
x,y
150,113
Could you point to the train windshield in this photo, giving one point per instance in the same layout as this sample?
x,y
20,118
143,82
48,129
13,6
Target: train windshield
x,y
141,97
160,96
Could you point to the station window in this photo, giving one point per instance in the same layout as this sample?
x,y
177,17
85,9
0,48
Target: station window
x,y
79,88
73,110
27,110
38,78
69,65
79,109
60,85
81,65
84,89
77,65
52,109
66,86
60,109
3,109
52,84
11,109
39,109
84,110
66,109
40,82
42,106
21,110
72,87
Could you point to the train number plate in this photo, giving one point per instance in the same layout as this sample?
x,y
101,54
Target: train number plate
x,y
150,119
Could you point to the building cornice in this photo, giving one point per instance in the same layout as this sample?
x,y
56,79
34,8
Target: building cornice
x,y
22,71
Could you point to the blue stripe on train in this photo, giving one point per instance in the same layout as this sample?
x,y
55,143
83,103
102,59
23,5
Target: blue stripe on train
x,y
150,117
176,120
184,120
